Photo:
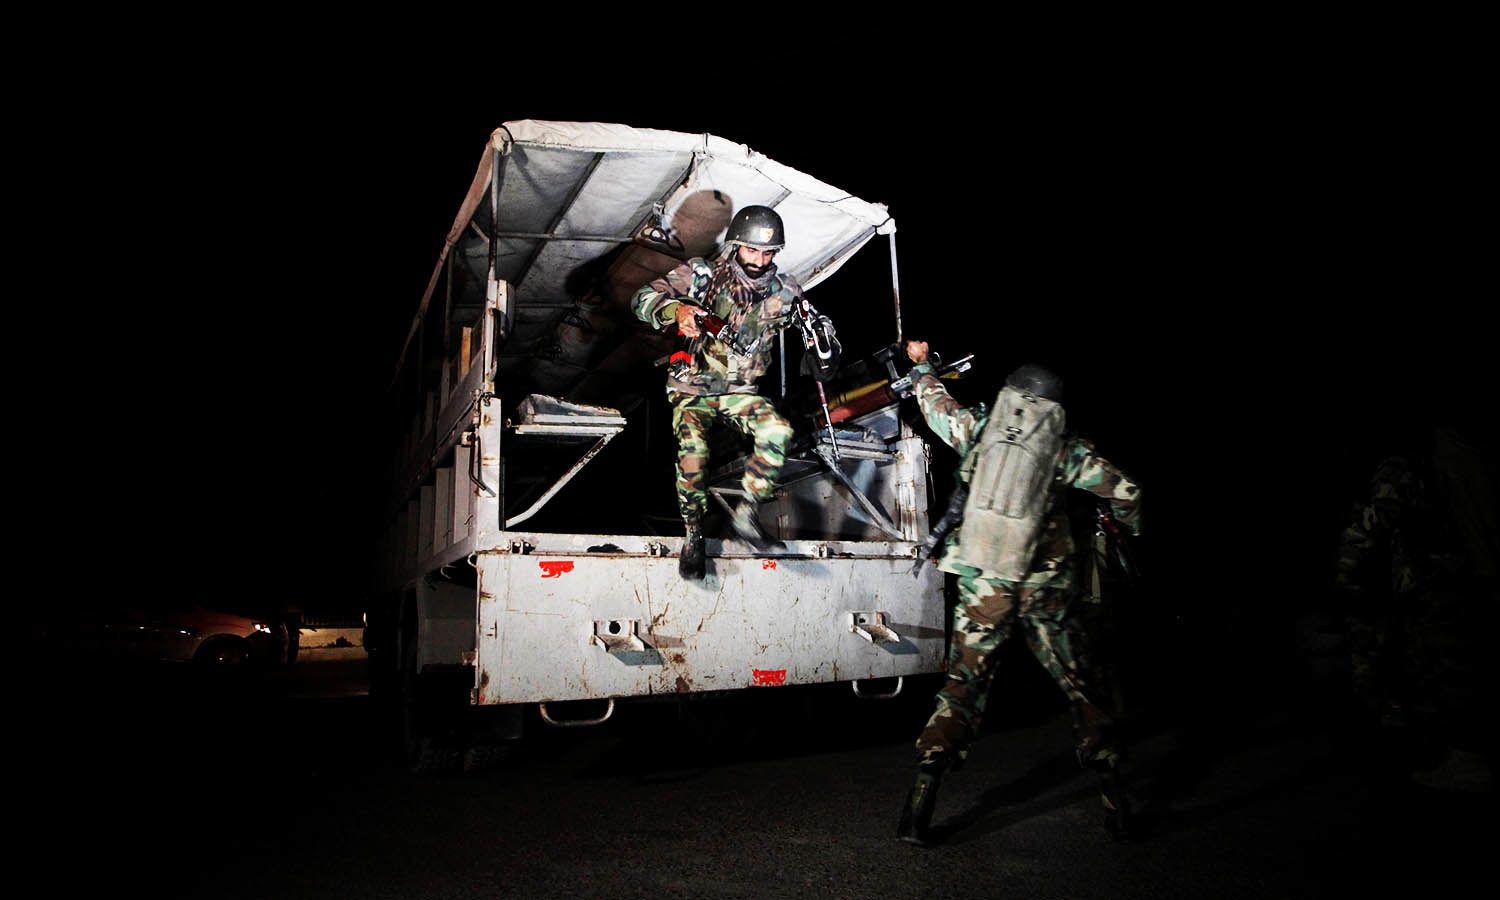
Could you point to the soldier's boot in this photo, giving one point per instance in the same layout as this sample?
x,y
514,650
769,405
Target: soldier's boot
x,y
1101,754
915,825
1117,822
691,563
746,524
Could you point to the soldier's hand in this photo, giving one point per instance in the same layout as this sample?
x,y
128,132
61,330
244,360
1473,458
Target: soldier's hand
x,y
687,320
916,351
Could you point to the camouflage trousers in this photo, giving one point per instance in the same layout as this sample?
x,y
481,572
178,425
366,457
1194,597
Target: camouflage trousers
x,y
1380,657
985,617
1426,653
753,416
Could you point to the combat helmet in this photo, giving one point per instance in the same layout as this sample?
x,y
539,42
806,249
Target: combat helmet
x,y
758,227
1038,380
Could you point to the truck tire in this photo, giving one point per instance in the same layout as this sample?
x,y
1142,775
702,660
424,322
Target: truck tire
x,y
481,757
419,750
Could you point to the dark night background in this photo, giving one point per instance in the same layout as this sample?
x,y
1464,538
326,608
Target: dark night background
x,y
1252,248
1251,272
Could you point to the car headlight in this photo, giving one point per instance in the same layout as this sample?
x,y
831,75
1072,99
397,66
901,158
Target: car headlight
x,y
261,627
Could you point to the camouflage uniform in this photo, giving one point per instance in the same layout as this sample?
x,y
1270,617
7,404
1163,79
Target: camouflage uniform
x,y
1417,565
1375,626
720,385
989,608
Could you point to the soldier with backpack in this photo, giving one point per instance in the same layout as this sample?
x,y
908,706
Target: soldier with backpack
x,y
1015,557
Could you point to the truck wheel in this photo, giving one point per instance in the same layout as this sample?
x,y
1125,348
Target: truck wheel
x,y
425,717
429,755
416,751
479,757
490,735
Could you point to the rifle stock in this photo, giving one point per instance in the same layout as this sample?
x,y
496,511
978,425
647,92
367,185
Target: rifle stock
x,y
877,394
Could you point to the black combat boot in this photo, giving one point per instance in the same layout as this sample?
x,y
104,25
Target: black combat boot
x,y
746,524
915,826
1117,822
1101,751
691,563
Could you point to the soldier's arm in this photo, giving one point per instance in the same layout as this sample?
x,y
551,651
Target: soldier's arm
x,y
1102,478
956,425
656,302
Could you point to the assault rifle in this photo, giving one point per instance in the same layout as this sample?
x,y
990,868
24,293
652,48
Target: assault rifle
x,y
709,325
820,341
952,517
901,387
1117,540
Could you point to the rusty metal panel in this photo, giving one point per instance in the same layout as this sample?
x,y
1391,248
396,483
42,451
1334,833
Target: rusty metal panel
x,y
556,627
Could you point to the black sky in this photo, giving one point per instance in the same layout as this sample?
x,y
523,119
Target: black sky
x,y
1241,272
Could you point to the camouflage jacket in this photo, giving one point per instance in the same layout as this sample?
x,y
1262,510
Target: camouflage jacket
x,y
1402,536
716,369
1077,467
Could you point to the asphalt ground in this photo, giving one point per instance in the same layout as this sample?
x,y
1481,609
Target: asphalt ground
x,y
281,785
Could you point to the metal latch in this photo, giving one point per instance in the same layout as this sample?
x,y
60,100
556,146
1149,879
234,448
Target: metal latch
x,y
871,626
619,635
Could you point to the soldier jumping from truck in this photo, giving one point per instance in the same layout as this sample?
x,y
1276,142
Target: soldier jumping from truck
x,y
728,309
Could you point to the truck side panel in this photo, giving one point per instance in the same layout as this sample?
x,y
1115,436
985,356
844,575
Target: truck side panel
x,y
557,628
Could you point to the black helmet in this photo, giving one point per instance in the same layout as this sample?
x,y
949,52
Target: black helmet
x,y
758,227
1035,379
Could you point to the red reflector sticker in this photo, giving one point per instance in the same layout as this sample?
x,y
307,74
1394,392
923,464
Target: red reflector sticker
x,y
767,677
552,568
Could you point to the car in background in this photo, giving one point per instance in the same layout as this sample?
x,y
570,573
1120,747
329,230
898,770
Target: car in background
x,y
181,632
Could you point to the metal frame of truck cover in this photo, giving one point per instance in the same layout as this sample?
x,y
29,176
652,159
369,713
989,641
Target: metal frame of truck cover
x,y
560,614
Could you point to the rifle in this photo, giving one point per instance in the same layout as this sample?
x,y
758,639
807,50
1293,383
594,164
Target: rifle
x,y
711,326
1118,541
952,517
820,339
902,388
860,400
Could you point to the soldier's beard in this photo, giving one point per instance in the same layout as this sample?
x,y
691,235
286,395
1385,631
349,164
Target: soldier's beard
x,y
755,272
744,286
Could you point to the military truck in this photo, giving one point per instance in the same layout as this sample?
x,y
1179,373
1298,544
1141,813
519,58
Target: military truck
x,y
526,573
